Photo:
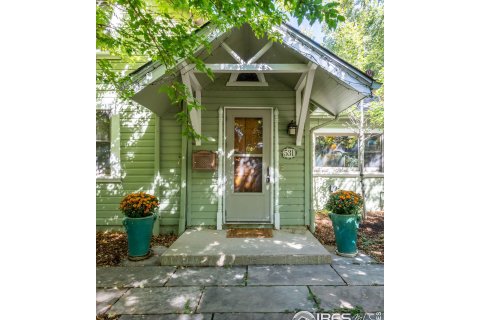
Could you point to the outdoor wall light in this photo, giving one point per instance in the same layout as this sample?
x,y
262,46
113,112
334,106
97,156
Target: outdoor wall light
x,y
292,128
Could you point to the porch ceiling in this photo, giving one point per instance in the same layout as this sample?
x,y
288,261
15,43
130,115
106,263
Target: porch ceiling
x,y
335,86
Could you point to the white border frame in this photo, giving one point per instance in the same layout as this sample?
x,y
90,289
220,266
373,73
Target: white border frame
x,y
340,172
221,166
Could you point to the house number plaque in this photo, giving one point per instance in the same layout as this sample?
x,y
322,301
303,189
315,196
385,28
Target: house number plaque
x,y
289,153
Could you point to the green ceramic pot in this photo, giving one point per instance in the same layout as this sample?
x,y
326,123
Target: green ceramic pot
x,y
345,227
139,234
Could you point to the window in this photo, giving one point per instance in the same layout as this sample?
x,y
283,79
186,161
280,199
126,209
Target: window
x,y
108,147
373,154
104,120
337,151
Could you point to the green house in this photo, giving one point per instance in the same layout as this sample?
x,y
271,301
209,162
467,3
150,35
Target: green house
x,y
276,142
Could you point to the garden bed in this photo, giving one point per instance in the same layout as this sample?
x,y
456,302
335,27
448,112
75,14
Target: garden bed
x,y
370,233
112,246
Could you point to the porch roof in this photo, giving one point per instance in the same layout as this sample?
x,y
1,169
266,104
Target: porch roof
x,y
335,84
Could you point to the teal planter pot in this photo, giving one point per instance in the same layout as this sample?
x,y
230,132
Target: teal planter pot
x,y
139,234
346,229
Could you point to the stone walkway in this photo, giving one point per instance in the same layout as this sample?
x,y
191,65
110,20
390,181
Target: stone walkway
x,y
145,291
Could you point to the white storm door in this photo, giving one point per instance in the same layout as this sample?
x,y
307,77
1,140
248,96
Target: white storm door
x,y
248,165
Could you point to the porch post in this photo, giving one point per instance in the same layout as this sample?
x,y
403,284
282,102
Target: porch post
x,y
156,170
220,184
309,214
277,173
183,185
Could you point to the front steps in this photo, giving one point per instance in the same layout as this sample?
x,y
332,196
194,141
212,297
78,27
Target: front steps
x,y
197,247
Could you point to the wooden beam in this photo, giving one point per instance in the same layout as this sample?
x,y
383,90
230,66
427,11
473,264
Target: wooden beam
x,y
194,81
232,53
298,105
298,95
301,82
305,101
260,53
255,68
195,115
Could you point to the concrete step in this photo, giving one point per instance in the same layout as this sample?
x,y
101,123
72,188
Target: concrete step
x,y
206,247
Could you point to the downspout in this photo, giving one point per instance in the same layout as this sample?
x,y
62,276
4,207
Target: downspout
x,y
312,213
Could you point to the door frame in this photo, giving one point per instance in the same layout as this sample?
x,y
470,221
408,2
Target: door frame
x,y
221,185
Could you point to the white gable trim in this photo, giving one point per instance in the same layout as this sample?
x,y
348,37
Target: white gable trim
x,y
347,75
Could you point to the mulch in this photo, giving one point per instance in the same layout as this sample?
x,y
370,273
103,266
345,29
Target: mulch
x,y
112,246
370,234
107,317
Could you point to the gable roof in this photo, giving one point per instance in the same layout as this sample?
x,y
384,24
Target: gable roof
x,y
336,86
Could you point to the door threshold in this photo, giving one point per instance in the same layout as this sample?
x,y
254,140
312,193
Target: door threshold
x,y
252,225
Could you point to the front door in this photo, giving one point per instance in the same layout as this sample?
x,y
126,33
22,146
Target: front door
x,y
247,165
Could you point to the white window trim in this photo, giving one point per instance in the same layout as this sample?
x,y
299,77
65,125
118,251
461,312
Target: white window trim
x,y
115,172
340,172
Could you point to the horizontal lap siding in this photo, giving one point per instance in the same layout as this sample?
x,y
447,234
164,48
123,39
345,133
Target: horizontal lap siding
x,y
292,184
203,184
137,134
292,171
170,166
137,147
373,190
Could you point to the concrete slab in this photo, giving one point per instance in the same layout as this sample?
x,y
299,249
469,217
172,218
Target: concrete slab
x,y
370,298
212,248
253,316
256,299
158,300
154,260
107,297
361,275
208,276
204,316
293,275
148,276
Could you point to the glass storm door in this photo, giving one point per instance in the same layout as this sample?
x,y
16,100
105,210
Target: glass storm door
x,y
247,165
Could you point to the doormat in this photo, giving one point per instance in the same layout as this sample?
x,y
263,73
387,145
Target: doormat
x,y
249,233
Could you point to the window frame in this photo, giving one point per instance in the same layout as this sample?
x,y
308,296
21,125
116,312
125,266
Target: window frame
x,y
115,174
369,170
343,172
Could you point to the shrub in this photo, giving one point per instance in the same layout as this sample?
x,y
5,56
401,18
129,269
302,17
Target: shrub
x,y
344,202
138,205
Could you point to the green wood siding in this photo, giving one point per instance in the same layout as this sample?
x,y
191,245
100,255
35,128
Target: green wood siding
x,y
170,166
137,153
137,141
203,199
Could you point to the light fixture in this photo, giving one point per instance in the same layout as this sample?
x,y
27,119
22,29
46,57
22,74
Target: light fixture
x,y
292,128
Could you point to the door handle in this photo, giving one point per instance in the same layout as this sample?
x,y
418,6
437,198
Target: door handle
x,y
268,175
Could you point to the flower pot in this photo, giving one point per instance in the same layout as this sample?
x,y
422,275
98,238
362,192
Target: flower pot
x,y
345,227
139,234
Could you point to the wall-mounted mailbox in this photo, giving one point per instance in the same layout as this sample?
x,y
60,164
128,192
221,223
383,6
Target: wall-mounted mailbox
x,y
204,160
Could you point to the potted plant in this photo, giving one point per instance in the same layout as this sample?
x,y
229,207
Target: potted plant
x,y
345,212
139,209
